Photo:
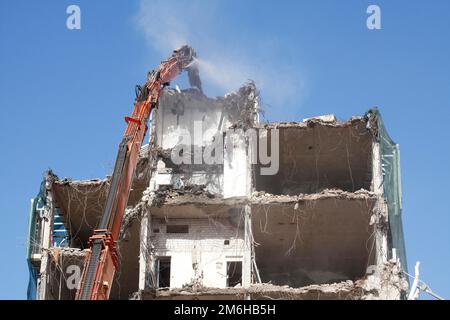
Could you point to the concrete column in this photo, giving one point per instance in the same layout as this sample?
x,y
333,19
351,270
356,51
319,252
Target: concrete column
x,y
144,249
247,261
235,165
47,221
377,173
381,245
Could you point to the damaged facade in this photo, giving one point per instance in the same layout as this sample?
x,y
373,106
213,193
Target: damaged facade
x,y
326,224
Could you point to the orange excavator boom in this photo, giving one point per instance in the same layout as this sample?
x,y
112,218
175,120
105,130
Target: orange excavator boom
x,y
102,259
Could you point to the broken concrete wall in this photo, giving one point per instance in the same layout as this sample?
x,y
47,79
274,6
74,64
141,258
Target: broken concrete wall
x,y
180,114
180,111
168,175
190,132
386,282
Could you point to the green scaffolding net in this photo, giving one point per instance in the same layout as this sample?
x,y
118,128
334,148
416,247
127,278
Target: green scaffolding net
x,y
392,187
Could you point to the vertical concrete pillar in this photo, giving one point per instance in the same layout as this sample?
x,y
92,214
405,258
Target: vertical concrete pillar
x,y
235,165
47,220
381,245
247,261
144,251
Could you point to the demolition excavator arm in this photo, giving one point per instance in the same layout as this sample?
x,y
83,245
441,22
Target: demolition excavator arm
x,y
102,259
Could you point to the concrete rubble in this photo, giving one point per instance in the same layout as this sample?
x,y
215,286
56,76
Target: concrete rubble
x,y
260,197
373,287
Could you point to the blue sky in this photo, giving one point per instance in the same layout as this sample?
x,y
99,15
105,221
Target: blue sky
x,y
63,93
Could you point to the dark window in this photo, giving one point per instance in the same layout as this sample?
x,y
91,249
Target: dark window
x,y
234,273
163,272
156,230
181,228
226,242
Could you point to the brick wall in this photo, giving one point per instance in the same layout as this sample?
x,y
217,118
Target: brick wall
x,y
202,253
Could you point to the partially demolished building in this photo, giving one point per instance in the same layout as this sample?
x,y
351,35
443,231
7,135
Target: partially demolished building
x,y
226,207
